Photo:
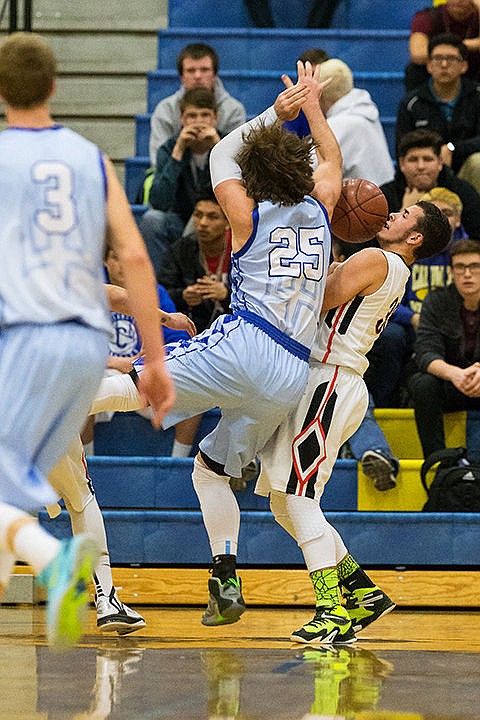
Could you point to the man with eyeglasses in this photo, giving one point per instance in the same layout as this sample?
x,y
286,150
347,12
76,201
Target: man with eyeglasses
x,y
448,103
448,348
459,17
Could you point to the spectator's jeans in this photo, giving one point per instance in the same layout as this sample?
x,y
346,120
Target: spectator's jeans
x,y
432,397
387,360
159,230
369,436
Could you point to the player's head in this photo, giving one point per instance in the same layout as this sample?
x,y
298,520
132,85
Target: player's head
x,y
276,165
197,65
27,70
416,232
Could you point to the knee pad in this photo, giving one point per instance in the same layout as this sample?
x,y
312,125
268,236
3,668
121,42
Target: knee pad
x,y
278,506
307,518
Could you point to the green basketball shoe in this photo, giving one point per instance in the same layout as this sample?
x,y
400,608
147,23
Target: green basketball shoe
x,y
226,603
328,626
66,579
366,605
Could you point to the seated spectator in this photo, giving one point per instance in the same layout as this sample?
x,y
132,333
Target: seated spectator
x,y
459,17
195,270
420,169
449,104
197,66
447,350
181,172
126,345
355,122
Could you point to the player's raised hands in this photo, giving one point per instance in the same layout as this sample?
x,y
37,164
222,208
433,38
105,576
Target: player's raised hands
x,y
302,94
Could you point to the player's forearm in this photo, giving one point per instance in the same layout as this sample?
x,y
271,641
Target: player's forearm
x,y
222,158
327,147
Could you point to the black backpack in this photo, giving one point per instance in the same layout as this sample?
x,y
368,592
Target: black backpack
x,y
456,485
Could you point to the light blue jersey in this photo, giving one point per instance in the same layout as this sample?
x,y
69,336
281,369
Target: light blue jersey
x,y
280,273
52,214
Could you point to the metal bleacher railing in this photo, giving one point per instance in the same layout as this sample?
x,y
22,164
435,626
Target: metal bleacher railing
x,y
13,7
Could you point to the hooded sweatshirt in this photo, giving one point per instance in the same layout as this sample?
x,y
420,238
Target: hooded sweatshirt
x,y
355,122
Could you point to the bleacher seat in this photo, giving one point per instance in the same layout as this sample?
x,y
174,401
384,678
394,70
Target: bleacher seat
x,y
349,13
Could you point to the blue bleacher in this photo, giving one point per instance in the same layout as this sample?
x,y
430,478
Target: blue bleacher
x,y
349,14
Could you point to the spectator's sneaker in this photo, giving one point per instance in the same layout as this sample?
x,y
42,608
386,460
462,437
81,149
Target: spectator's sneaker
x,y
226,603
66,580
366,605
380,469
329,626
114,616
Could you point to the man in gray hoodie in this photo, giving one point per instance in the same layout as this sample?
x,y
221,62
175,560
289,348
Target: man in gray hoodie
x,y
355,122
197,66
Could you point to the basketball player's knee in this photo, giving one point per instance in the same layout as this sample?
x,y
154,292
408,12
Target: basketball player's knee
x,y
307,518
202,474
278,506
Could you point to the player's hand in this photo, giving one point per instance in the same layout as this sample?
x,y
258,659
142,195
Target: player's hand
x,y
289,101
156,389
179,321
122,364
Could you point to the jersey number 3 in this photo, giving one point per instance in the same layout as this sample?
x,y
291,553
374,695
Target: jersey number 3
x,y
57,215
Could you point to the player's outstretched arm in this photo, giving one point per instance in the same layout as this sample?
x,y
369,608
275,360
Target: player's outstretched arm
x,y
361,274
155,386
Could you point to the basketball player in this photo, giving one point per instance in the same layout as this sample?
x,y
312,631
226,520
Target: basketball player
x,y
253,364
58,197
360,296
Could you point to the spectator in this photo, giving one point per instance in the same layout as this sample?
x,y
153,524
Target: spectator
x,y
448,349
355,122
459,17
420,169
197,66
449,104
196,268
181,172
319,16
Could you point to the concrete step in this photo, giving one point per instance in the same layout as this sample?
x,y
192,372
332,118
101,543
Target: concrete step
x,y
92,15
122,53
100,95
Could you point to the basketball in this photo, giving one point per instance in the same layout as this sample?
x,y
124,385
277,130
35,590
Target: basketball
x,y
361,211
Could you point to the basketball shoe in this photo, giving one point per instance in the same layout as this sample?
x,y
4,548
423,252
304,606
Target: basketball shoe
x,y
365,605
114,616
381,469
66,579
328,626
226,603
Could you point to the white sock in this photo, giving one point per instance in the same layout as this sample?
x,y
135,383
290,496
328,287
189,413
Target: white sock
x,y
221,514
21,535
117,393
180,449
313,533
90,520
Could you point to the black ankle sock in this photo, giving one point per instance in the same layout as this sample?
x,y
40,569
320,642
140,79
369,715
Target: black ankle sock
x,y
224,567
358,579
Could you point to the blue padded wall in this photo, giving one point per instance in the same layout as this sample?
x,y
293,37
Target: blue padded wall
x,y
164,537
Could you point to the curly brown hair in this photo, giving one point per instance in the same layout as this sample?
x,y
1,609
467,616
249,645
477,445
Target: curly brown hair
x,y
276,165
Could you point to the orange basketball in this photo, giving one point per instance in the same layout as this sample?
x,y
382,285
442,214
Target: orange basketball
x,y
361,211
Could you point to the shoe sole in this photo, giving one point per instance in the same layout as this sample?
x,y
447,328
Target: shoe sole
x,y
69,610
328,640
230,615
120,627
371,619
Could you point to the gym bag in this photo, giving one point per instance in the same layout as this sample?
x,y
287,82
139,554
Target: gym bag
x,y
456,484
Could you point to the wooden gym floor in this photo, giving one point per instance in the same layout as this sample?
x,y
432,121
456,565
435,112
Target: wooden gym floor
x,y
409,665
